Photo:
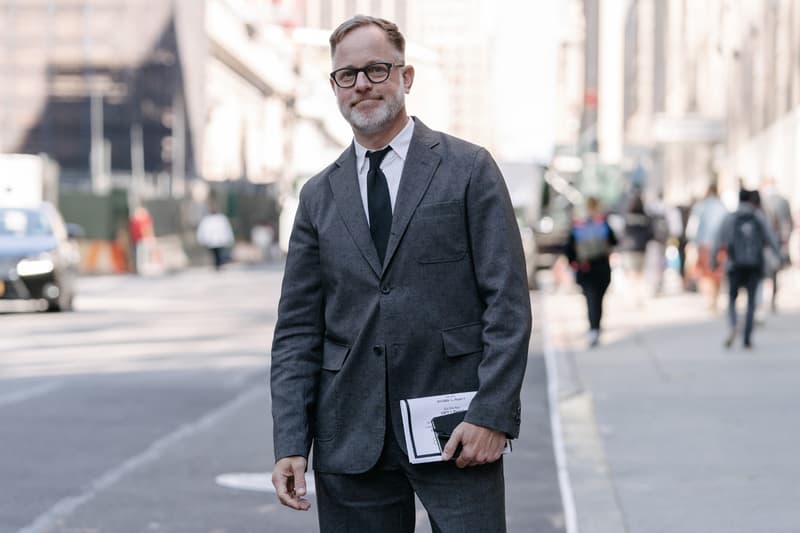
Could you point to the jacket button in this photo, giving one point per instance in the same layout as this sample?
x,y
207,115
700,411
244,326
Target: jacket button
x,y
377,350
386,289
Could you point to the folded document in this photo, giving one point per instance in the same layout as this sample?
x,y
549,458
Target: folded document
x,y
421,441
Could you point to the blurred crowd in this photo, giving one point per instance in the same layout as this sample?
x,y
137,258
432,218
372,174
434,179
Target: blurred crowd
x,y
648,247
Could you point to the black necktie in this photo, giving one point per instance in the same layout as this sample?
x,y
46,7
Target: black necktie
x,y
379,204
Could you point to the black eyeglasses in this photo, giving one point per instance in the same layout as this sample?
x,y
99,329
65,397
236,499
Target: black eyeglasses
x,y
375,72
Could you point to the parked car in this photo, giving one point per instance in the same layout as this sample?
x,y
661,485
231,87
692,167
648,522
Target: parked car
x,y
38,256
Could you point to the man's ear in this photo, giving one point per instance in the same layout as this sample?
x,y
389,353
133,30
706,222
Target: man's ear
x,y
333,86
408,78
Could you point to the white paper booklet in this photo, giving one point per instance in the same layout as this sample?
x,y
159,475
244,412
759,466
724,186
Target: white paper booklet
x,y
421,441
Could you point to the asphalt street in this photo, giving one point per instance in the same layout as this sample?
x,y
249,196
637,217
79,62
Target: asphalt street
x,y
147,410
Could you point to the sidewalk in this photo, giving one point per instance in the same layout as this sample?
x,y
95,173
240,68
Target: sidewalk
x,y
665,430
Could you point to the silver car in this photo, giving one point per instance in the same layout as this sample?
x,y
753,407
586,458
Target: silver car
x,y
38,257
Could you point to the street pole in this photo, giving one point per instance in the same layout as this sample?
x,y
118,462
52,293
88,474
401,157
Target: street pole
x,y
97,150
178,181
137,166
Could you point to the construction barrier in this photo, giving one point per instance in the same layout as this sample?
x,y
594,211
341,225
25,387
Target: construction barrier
x,y
103,257
149,259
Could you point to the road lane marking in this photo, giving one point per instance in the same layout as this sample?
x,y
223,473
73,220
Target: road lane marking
x,y
257,481
564,484
56,515
29,394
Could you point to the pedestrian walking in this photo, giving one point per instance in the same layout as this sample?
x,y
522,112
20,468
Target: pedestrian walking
x,y
705,221
215,233
590,242
770,262
639,231
140,227
682,241
779,216
662,252
405,278
744,234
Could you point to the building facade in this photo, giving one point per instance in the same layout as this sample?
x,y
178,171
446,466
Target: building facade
x,y
250,87
453,90
711,92
759,47
182,90
101,97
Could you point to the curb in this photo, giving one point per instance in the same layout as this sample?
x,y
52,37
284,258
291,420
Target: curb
x,y
591,503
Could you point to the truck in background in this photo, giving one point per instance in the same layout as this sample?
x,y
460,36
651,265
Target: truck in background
x,y
27,180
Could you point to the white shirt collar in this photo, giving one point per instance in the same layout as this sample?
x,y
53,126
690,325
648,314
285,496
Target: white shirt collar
x,y
400,144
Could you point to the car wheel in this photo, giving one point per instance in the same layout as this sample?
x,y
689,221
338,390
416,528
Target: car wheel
x,y
60,304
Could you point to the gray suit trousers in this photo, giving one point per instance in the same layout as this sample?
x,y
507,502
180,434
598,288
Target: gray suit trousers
x,y
469,500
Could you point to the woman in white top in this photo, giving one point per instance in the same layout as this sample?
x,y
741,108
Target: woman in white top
x,y
216,234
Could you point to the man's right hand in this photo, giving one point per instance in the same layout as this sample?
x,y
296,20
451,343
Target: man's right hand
x,y
289,479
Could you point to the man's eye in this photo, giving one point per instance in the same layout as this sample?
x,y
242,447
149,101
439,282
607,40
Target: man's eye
x,y
347,74
376,70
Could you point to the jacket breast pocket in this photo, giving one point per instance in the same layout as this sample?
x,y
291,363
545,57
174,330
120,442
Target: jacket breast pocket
x,y
442,234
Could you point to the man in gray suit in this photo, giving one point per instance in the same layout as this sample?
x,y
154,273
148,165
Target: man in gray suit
x,y
405,278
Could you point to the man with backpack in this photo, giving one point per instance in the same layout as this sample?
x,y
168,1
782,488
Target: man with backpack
x,y
744,233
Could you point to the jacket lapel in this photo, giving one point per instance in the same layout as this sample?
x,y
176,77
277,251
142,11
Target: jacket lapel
x,y
344,184
421,163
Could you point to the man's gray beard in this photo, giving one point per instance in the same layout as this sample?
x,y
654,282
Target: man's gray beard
x,y
379,118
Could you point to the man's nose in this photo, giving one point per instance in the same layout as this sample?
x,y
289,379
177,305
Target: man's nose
x,y
362,82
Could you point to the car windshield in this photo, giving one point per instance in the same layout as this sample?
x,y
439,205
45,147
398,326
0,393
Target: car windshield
x,y
23,223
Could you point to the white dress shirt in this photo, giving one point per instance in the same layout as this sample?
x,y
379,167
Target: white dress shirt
x,y
392,164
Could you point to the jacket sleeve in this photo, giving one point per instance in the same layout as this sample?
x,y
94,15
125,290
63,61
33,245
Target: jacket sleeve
x,y
297,343
499,265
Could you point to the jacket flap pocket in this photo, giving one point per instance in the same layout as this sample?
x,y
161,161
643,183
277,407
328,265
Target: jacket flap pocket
x,y
333,355
463,340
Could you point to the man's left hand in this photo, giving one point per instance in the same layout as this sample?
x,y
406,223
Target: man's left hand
x,y
479,445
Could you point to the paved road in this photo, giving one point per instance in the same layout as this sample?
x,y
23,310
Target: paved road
x,y
122,416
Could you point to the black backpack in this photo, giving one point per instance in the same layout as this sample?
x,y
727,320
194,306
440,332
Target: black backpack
x,y
746,249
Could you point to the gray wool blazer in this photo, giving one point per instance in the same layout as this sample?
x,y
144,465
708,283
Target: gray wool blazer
x,y
448,311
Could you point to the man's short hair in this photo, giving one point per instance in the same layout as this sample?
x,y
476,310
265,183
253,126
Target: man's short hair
x,y
751,196
390,28
744,195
